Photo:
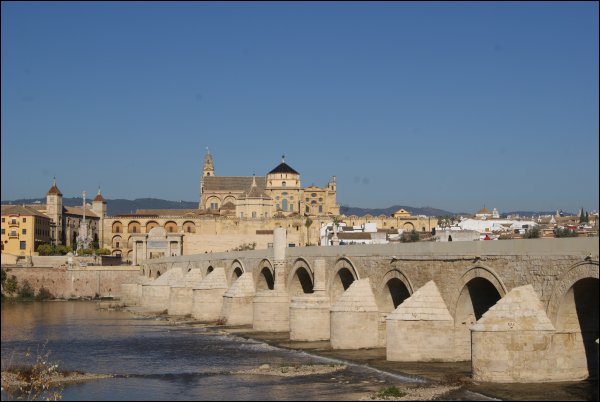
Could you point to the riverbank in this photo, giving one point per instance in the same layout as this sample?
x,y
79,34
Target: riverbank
x,y
438,380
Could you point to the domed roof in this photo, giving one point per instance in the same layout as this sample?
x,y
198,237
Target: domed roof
x,y
99,197
484,210
283,168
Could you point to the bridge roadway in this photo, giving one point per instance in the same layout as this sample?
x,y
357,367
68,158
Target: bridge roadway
x,y
520,310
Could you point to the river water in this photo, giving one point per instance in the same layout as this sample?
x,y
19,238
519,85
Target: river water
x,y
156,360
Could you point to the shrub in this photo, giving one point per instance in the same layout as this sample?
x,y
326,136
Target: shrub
x,y
25,291
11,285
392,392
409,237
564,232
533,233
103,251
43,294
45,249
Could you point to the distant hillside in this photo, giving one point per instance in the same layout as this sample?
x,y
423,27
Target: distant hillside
x,y
428,211
122,206
118,206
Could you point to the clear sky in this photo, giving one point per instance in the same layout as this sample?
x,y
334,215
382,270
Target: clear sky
x,y
449,105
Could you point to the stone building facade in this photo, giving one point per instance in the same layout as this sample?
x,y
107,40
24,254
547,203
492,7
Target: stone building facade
x,y
241,212
65,221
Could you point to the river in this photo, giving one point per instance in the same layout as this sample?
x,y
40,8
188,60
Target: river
x,y
157,359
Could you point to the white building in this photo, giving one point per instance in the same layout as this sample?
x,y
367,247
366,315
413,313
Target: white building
x,y
361,234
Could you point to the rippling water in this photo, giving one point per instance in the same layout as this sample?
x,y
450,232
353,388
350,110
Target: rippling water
x,y
156,360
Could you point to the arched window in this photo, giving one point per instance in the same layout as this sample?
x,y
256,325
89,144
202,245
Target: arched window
x,y
283,184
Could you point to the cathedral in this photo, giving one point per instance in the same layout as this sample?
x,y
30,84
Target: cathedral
x,y
234,212
279,193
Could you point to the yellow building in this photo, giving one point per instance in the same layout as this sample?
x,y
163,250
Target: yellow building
x,y
278,194
23,230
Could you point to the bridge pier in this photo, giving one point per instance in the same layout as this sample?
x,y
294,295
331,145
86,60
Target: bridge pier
x,y
237,302
207,298
181,294
310,314
421,329
271,308
515,341
131,293
355,318
155,295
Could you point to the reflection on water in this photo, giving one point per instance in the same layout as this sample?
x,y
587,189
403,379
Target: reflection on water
x,y
155,360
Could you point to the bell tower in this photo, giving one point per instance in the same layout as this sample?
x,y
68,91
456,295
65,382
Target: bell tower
x,y
208,170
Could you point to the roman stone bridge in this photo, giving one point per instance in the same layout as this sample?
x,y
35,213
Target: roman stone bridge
x,y
520,310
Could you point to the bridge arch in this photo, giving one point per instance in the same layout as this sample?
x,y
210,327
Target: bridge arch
x,y
341,277
209,269
301,278
237,269
479,289
394,288
573,309
264,280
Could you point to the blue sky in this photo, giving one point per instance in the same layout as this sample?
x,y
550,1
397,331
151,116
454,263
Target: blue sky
x,y
449,105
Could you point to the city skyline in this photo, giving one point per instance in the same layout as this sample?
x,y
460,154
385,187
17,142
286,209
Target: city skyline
x,y
447,105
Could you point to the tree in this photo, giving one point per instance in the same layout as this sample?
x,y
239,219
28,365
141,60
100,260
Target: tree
x,y
45,249
533,233
409,237
581,216
307,223
11,285
564,232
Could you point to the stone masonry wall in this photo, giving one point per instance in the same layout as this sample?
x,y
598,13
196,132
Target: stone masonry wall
x,y
83,282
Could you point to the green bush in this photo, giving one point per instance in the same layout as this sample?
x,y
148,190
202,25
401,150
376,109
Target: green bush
x,y
25,291
564,232
392,392
102,251
533,233
45,249
11,285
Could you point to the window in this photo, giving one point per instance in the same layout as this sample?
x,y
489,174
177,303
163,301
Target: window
x,y
3,220
13,220
22,245
284,204
13,233
116,244
253,214
283,184
23,231
24,220
291,207
3,231
320,208
214,205
241,214
313,195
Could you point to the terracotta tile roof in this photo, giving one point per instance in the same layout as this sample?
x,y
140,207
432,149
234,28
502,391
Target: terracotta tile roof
x,y
231,183
167,212
54,190
21,210
79,211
